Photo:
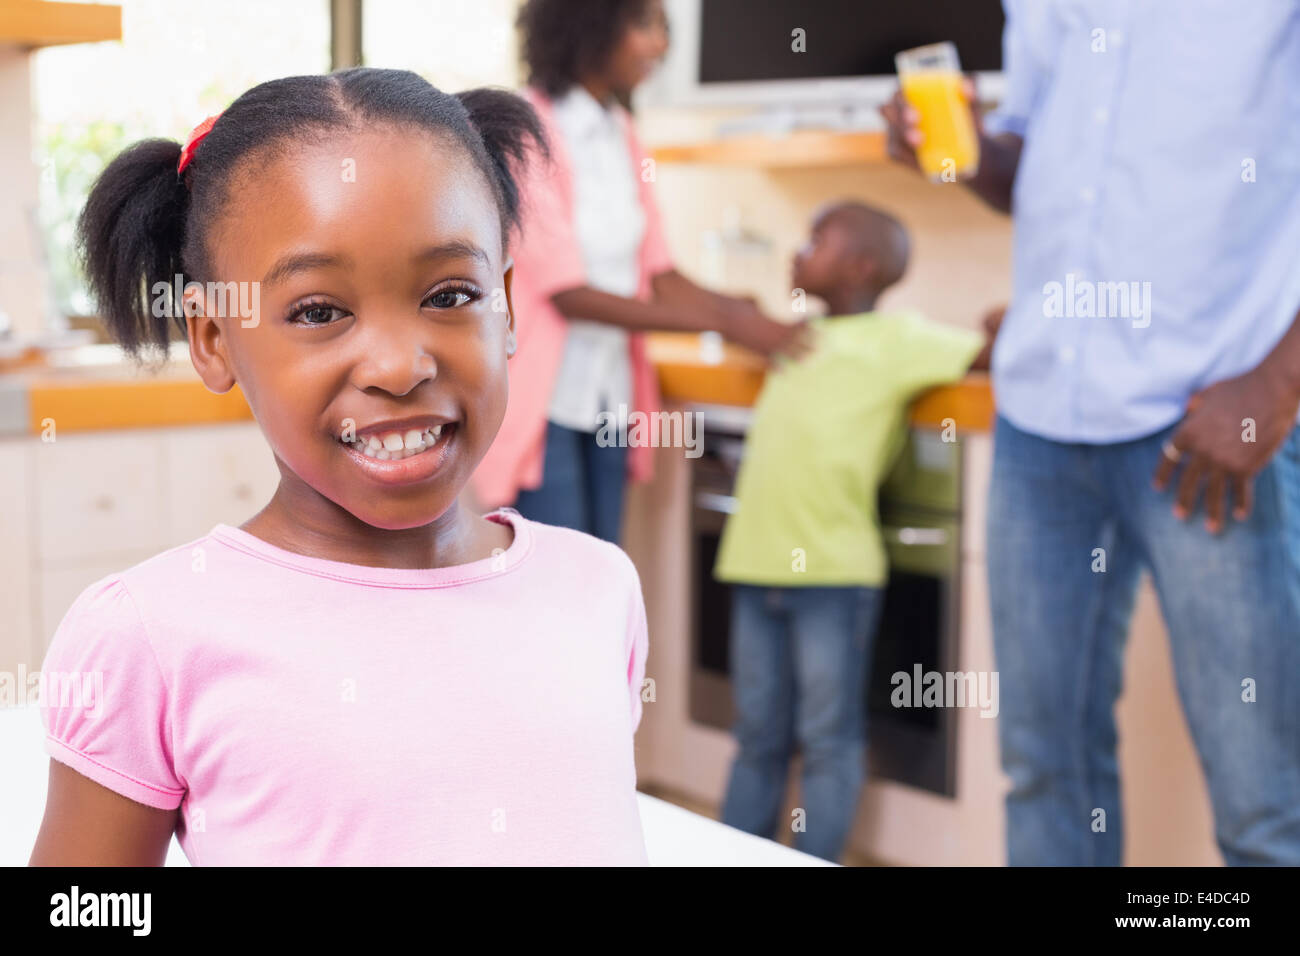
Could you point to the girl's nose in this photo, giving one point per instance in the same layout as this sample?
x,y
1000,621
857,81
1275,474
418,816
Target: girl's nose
x,y
397,369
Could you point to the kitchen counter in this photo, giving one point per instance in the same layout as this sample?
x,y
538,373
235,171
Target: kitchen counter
x,y
95,389
729,375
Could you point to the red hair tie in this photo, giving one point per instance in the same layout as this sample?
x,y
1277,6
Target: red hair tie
x,y
192,144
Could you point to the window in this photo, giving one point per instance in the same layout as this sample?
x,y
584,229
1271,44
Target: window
x,y
454,44
179,61
183,60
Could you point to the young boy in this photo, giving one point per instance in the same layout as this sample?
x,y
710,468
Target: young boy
x,y
804,548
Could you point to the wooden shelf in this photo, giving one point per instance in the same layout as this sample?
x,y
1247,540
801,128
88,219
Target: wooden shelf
x,y
802,149
37,23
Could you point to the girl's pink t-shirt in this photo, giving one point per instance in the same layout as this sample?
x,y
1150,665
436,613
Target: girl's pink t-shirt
x,y
308,712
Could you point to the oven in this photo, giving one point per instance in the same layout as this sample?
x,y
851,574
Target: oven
x,y
920,509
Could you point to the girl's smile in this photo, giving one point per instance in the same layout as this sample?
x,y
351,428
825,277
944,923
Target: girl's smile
x,y
399,454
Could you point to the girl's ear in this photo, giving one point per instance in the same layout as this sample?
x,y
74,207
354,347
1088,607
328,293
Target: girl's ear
x,y
510,309
207,344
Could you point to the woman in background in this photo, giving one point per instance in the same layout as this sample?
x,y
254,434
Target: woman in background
x,y
592,273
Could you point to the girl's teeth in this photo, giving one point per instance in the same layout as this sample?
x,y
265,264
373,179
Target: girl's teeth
x,y
394,446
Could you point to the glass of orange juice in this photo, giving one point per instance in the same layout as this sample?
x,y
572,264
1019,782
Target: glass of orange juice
x,y
931,80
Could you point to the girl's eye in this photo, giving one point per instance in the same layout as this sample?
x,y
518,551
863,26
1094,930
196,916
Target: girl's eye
x,y
315,313
322,313
452,296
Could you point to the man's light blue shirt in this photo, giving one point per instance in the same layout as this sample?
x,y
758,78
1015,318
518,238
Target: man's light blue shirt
x,y
1156,206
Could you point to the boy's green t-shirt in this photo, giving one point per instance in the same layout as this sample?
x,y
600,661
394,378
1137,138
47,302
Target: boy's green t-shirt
x,y
825,433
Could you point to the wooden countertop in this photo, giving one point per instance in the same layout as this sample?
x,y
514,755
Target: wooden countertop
x,y
114,394
120,396
685,375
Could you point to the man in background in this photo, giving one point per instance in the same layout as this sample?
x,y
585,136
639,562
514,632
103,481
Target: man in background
x,y
1147,373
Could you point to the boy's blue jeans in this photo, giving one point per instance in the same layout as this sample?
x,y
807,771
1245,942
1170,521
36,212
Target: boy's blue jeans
x,y
1232,607
799,660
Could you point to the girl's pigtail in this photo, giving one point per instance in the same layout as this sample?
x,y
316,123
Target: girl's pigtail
x,y
130,236
511,131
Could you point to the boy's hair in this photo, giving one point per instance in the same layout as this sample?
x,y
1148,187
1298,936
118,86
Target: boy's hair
x,y
563,39
144,224
877,234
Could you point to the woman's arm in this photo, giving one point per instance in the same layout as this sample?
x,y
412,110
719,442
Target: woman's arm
x,y
742,323
673,288
86,824
585,302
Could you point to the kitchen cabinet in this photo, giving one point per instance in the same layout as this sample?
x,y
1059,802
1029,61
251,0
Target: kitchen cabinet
x,y
98,495
16,581
93,503
216,474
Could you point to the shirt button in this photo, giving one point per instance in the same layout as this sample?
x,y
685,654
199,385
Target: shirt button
x,y
1101,114
1116,37
1088,195
1066,353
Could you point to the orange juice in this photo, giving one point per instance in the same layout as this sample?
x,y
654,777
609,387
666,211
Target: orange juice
x,y
949,148
930,78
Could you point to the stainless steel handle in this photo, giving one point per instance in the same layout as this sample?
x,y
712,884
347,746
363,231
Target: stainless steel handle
x,y
716,502
932,537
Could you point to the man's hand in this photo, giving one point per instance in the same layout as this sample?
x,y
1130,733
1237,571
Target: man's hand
x,y
1212,447
902,122
999,154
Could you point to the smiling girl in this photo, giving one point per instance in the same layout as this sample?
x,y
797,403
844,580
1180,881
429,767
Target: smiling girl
x,y
362,672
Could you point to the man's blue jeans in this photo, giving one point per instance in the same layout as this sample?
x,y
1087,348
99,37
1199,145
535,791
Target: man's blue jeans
x,y
1232,607
799,660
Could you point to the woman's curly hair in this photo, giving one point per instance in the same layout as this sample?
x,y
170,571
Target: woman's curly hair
x,y
564,39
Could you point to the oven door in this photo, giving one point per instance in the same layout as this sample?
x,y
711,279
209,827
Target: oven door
x,y
710,681
917,629
917,634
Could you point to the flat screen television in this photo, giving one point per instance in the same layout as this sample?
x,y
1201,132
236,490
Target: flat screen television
x,y
743,52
